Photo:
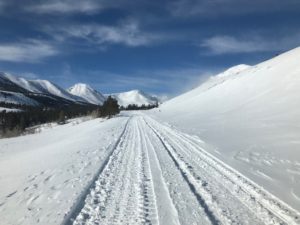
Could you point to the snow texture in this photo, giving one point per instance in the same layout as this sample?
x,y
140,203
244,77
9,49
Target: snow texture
x,y
127,170
250,116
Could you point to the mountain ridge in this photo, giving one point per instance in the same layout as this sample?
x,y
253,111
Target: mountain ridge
x,y
87,93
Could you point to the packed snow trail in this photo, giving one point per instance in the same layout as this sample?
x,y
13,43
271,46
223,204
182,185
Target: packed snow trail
x,y
157,175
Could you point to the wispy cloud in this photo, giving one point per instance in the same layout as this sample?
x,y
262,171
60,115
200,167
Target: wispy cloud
x,y
127,33
186,8
65,6
218,45
27,51
174,81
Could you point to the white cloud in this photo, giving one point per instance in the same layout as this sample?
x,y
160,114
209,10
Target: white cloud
x,y
66,6
186,8
230,45
28,51
174,81
127,33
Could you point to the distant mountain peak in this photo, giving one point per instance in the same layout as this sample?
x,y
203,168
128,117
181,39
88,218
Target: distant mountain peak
x,y
81,86
87,93
136,97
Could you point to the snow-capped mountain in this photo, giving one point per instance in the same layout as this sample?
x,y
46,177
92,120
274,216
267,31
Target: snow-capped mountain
x,y
7,85
42,87
16,98
31,92
251,117
18,90
136,97
87,93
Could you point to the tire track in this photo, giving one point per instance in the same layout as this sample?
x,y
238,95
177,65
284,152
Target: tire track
x,y
78,206
209,213
266,201
203,168
123,192
157,175
147,186
166,211
181,193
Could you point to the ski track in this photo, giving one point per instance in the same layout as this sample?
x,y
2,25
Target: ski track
x,y
158,175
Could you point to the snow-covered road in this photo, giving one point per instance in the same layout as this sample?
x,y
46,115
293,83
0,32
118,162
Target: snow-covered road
x,y
158,175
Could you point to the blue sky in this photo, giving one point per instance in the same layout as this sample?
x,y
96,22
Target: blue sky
x,y
162,47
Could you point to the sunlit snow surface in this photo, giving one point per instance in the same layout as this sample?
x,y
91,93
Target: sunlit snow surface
x,y
130,169
42,174
251,118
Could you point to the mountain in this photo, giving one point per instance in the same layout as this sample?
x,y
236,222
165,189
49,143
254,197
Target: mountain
x,y
250,117
17,98
6,84
18,90
87,93
42,87
136,97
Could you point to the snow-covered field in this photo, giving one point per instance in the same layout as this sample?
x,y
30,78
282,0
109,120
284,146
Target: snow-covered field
x,y
42,175
130,169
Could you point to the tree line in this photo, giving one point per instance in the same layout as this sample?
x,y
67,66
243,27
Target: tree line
x,y
137,107
14,123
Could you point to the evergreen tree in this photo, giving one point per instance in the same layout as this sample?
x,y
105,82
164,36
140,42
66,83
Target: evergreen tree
x,y
110,107
61,118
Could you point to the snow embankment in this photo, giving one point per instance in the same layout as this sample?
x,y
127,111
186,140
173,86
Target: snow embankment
x,y
251,117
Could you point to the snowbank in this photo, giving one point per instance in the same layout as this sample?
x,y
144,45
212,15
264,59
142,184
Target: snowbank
x,y
251,119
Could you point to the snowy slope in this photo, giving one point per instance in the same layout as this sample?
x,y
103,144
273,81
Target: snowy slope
x,y
136,97
40,87
250,116
22,82
44,86
7,85
87,93
43,174
16,98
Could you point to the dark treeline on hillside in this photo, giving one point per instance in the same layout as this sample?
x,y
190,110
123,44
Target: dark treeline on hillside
x,y
136,107
14,123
